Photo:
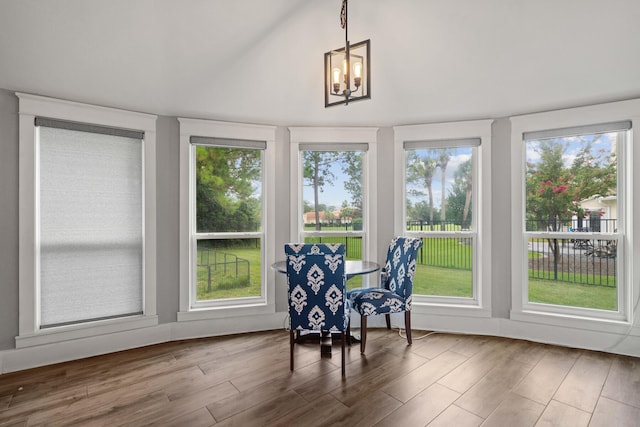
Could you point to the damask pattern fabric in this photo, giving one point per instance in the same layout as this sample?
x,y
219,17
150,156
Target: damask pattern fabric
x,y
394,295
317,289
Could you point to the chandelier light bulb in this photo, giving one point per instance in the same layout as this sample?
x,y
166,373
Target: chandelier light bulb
x,y
336,80
357,73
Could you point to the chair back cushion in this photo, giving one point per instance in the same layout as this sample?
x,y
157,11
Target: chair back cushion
x,y
317,286
400,266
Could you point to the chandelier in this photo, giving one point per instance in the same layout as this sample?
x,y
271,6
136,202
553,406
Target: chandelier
x,y
347,71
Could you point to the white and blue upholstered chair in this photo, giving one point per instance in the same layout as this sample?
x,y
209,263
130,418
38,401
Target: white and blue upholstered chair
x,y
317,294
394,294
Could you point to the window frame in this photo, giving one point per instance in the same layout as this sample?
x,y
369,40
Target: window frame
x,y
480,304
30,107
331,138
576,317
190,308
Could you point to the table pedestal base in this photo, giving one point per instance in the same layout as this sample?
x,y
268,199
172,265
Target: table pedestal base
x,y
324,338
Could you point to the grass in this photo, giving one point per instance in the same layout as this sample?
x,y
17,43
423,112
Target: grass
x,y
439,281
450,252
575,278
429,280
573,295
246,284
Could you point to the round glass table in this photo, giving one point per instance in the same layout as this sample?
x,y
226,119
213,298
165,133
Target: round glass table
x,y
351,267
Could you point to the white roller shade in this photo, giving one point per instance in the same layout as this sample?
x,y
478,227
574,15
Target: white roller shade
x,y
90,226
577,130
442,143
228,142
348,146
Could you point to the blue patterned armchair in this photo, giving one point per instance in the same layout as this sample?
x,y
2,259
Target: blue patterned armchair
x,y
317,294
394,295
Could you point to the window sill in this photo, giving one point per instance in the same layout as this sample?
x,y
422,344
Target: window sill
x,y
84,330
226,311
449,309
572,321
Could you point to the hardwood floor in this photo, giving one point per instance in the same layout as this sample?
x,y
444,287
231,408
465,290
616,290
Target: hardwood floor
x,y
244,380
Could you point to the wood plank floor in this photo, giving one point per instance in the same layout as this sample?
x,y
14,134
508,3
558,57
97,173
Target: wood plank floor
x,y
244,380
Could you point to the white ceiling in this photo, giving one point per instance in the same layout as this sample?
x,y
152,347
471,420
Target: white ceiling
x,y
261,61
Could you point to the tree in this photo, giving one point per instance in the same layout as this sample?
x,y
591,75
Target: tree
x,y
352,167
547,195
554,192
226,180
548,198
592,173
443,161
347,213
459,198
421,170
420,211
317,174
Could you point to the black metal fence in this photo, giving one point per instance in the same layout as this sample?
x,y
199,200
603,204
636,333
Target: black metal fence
x,y
223,269
577,260
580,261
425,225
594,224
446,252
352,244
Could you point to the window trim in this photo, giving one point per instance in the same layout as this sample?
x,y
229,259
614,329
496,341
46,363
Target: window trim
x,y
30,107
332,138
480,305
189,309
575,317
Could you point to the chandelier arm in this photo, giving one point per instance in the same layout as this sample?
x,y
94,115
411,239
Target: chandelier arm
x,y
347,75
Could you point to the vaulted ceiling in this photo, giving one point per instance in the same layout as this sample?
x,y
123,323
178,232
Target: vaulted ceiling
x,y
261,61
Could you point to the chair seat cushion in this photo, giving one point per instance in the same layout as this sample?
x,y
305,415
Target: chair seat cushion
x,y
371,301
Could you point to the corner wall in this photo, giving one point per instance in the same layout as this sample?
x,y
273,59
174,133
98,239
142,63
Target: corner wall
x,y
8,219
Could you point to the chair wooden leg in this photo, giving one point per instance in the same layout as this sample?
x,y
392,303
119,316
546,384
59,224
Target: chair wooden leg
x,y
407,325
388,319
349,333
363,333
291,342
342,335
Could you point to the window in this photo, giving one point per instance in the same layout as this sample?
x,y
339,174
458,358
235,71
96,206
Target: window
x,y
571,207
228,218
334,188
85,258
226,215
441,200
572,194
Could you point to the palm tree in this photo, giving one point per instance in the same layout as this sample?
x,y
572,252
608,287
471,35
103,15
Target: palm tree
x,y
443,161
422,169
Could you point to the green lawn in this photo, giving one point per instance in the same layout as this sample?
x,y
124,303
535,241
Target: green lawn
x,y
245,284
436,281
439,281
573,295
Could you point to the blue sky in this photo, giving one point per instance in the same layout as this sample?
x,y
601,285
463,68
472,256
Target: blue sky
x,y
335,194
459,156
604,143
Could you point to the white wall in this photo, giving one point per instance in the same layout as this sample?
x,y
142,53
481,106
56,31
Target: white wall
x,y
167,151
8,219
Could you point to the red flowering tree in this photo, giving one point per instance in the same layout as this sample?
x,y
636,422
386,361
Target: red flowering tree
x,y
555,192
549,197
